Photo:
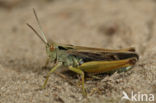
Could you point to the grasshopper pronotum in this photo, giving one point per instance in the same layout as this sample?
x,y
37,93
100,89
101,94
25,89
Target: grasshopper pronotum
x,y
85,59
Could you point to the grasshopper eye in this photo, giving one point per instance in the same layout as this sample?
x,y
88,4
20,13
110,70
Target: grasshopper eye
x,y
51,47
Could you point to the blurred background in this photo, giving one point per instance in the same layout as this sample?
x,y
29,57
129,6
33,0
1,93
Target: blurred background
x,y
112,24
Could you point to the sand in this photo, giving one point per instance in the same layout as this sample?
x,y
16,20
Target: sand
x,y
112,24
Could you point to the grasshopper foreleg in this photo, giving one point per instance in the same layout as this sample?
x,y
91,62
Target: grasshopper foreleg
x,y
51,71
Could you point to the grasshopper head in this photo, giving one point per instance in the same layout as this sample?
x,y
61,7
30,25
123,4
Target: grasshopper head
x,y
51,50
52,47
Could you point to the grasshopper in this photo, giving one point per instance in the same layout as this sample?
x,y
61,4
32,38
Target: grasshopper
x,y
83,60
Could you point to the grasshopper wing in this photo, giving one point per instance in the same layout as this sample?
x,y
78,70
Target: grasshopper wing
x,y
98,54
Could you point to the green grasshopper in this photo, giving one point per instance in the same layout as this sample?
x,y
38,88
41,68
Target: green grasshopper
x,y
83,60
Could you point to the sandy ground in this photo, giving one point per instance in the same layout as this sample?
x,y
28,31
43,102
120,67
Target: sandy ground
x,y
110,24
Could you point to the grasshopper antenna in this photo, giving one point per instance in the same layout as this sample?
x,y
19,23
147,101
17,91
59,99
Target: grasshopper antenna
x,y
44,40
38,22
37,33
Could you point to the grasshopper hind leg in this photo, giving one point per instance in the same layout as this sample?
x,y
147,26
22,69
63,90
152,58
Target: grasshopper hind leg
x,y
76,70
